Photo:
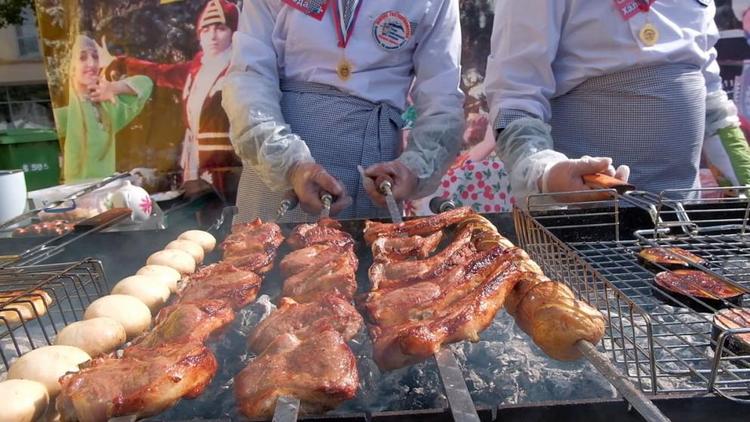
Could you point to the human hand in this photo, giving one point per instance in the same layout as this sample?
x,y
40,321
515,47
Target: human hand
x,y
567,176
103,90
310,181
105,57
403,181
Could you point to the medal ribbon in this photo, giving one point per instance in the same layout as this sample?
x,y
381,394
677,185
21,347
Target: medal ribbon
x,y
630,8
345,16
645,5
313,8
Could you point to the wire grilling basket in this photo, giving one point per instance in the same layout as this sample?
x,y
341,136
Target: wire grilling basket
x,y
665,342
37,301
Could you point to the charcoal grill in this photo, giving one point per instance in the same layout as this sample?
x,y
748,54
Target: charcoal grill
x,y
217,403
664,349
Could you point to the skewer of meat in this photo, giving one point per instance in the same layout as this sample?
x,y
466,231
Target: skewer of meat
x,y
252,246
140,384
320,371
303,355
421,226
416,306
304,320
323,262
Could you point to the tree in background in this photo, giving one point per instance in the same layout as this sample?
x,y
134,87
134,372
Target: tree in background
x,y
11,11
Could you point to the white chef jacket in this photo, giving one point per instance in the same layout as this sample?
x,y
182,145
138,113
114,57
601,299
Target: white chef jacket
x,y
276,41
541,49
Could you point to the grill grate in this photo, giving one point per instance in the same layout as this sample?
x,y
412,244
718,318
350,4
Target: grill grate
x,y
661,347
71,286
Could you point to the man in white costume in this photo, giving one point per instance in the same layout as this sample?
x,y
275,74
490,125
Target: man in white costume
x,y
575,86
317,87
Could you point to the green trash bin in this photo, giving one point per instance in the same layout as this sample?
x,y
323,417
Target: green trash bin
x,y
35,151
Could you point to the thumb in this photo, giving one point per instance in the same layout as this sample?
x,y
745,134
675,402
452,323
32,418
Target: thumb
x,y
623,173
328,183
590,165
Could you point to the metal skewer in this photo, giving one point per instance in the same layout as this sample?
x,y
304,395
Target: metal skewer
x,y
622,384
390,201
287,407
461,405
286,410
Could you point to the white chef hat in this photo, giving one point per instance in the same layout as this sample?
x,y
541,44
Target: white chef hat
x,y
740,7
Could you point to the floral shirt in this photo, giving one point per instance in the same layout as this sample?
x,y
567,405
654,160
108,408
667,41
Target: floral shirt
x,y
483,185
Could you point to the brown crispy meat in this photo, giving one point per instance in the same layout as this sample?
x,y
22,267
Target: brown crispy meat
x,y
401,248
325,231
421,300
304,319
141,384
420,226
404,273
252,246
404,344
184,323
222,281
335,276
320,371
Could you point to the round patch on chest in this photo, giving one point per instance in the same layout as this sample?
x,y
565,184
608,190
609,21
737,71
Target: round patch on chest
x,y
391,30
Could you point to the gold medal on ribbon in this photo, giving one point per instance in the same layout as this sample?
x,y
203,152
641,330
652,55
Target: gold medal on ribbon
x,y
649,35
344,69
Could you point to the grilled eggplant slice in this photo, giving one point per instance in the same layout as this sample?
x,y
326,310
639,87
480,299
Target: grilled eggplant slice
x,y
697,290
670,258
730,318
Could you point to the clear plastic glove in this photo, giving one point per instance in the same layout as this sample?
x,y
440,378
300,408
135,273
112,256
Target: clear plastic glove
x,y
310,181
567,176
403,181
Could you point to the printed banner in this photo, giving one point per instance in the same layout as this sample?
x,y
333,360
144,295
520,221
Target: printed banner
x,y
137,84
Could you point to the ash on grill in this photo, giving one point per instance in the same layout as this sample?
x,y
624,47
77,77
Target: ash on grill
x,y
502,368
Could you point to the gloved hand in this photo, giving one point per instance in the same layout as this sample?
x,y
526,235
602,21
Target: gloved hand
x,y
404,182
566,176
310,181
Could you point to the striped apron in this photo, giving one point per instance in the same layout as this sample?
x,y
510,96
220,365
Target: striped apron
x,y
656,125
341,132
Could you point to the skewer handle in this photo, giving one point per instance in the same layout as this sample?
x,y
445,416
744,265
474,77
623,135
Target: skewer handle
x,y
439,205
604,181
289,202
622,384
327,199
386,187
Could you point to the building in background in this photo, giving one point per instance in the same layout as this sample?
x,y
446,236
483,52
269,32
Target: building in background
x,y
24,95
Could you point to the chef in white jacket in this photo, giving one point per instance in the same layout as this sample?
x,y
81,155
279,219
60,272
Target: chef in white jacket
x,y
576,86
316,88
